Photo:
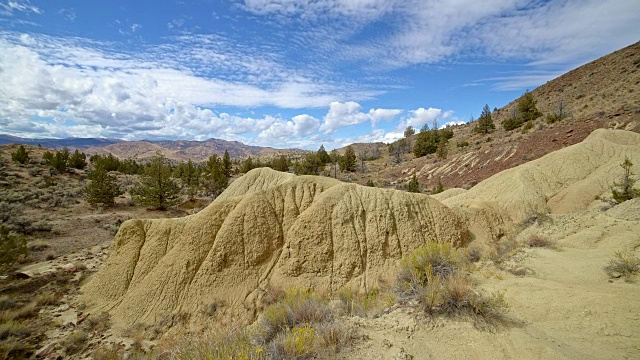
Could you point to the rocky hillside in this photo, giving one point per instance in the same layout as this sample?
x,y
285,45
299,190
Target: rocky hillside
x,y
602,94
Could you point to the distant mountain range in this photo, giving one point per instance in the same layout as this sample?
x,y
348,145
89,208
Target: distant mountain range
x,y
177,150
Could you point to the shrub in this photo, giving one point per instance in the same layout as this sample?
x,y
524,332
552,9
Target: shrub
x,y
46,299
20,156
624,190
623,264
364,304
512,123
413,185
461,144
431,277
99,322
527,126
537,240
12,247
11,328
75,341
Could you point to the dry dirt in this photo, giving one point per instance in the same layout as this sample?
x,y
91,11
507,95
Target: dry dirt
x,y
566,308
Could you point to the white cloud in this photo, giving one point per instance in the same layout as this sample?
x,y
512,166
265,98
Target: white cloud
x,y
23,6
348,113
452,123
299,126
420,117
546,33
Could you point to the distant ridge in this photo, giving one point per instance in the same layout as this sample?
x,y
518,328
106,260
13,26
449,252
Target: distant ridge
x,y
176,150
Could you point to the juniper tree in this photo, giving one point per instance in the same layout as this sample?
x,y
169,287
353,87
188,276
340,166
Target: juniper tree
x,y
485,124
226,164
348,161
103,188
323,156
335,158
216,180
280,163
20,156
624,190
413,185
157,189
78,160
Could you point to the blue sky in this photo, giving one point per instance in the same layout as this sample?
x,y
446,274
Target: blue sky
x,y
285,73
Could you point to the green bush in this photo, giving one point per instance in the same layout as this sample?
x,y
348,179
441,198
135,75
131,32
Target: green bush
x,y
625,190
512,123
461,144
20,156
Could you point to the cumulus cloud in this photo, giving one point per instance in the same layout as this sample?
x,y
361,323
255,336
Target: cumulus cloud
x,y
349,113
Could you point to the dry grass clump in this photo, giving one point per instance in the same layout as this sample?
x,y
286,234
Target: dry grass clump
x,y
99,322
504,248
623,264
432,278
46,299
75,341
215,345
27,311
365,304
299,325
540,241
11,328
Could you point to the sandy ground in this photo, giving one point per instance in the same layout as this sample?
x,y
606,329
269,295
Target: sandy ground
x,y
567,308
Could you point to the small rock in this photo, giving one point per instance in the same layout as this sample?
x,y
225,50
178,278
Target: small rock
x,y
386,343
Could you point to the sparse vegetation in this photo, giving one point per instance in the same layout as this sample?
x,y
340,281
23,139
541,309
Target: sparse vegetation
x,y
432,277
12,247
20,156
540,241
623,264
625,190
75,342
413,185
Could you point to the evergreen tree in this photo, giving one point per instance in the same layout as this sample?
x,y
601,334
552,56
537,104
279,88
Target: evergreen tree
x,y
226,164
156,188
413,185
624,190
280,164
190,178
348,161
103,188
322,156
527,107
60,160
47,157
426,142
335,158
247,165
485,124
217,181
370,183
20,156
409,131
310,165
78,160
